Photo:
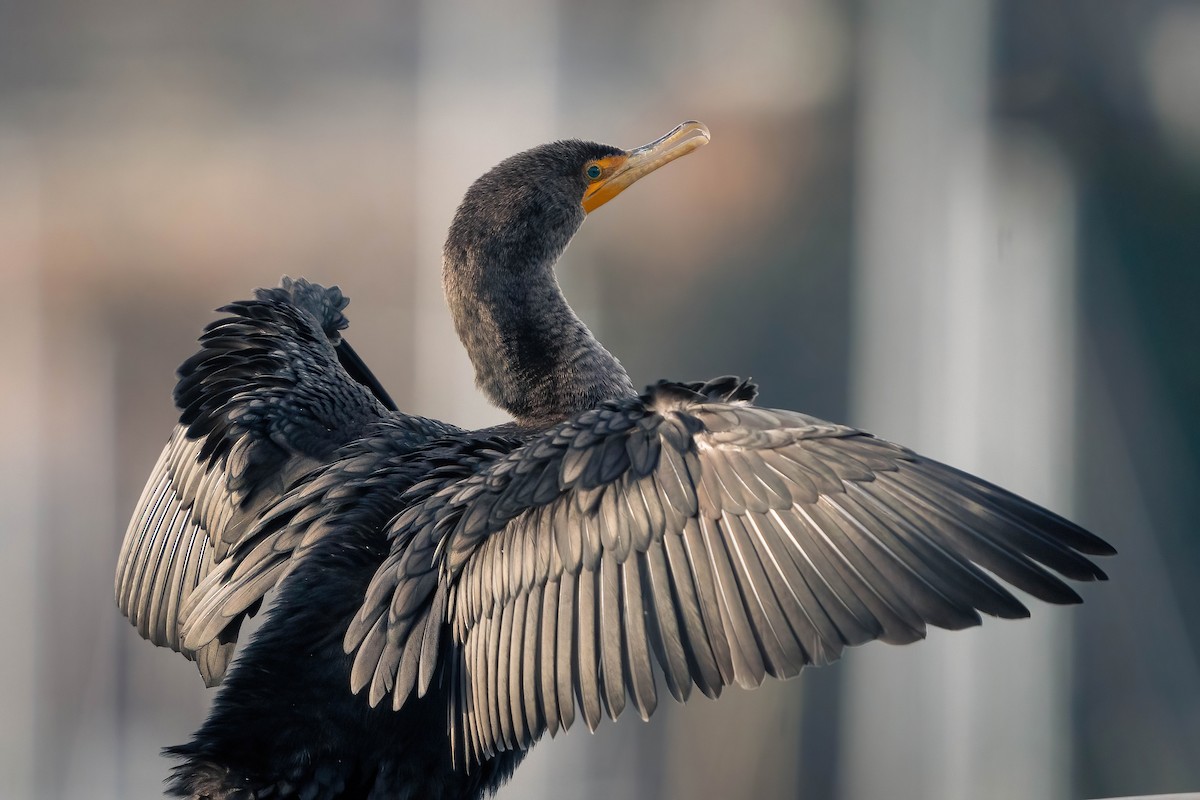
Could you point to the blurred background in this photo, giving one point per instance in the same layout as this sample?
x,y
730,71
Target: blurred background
x,y
972,227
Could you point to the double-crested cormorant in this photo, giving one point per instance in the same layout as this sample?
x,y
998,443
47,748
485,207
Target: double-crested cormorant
x,y
446,597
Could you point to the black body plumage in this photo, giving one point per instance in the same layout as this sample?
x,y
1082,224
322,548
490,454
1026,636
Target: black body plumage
x,y
446,597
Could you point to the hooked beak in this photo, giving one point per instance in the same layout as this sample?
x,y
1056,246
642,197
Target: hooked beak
x,y
621,171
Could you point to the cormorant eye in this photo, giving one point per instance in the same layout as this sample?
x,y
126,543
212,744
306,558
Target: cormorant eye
x,y
594,171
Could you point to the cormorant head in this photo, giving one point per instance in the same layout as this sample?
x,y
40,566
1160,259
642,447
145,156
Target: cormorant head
x,y
523,212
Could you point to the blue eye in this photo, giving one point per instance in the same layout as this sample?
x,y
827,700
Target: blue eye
x,y
593,171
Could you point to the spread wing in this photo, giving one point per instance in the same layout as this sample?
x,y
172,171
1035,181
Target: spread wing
x,y
690,534
353,497
272,393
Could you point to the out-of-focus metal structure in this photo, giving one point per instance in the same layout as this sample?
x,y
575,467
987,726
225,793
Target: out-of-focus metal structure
x,y
471,111
20,488
965,350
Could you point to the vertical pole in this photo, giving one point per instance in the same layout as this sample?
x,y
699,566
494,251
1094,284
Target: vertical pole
x,y
20,467
486,84
78,645
964,350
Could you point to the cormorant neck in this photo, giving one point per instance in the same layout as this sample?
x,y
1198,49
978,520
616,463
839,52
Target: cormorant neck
x,y
533,356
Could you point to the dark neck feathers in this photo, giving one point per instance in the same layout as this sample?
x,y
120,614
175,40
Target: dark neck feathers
x,y
533,356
